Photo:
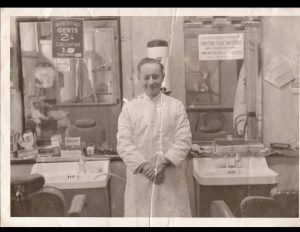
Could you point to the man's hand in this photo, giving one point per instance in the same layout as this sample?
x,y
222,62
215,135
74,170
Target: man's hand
x,y
159,169
154,170
148,170
159,178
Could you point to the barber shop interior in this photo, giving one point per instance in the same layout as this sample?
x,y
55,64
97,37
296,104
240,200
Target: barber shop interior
x,y
154,116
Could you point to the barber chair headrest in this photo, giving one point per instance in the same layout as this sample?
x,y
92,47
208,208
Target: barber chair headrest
x,y
85,123
27,184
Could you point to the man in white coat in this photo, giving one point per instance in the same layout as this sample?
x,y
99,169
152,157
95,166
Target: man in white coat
x,y
154,139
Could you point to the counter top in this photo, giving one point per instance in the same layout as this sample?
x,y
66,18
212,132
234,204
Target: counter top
x,y
53,159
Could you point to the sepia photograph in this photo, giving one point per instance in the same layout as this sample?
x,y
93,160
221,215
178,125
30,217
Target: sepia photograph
x,y
188,115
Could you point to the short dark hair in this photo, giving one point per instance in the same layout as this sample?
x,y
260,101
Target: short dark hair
x,y
148,60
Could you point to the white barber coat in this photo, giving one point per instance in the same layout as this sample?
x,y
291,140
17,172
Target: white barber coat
x,y
139,130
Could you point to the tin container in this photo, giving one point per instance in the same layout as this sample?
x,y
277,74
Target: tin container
x,y
90,150
56,151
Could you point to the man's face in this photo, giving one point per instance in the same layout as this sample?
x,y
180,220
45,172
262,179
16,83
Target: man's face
x,y
151,78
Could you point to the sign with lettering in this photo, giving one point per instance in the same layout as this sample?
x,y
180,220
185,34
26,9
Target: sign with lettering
x,y
63,65
67,38
72,141
221,46
56,140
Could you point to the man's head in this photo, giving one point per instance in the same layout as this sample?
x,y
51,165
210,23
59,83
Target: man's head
x,y
151,75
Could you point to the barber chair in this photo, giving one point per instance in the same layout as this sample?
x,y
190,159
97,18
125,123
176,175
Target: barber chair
x,y
88,131
281,203
30,198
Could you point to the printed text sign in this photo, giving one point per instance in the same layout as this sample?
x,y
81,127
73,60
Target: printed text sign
x,y
221,46
67,38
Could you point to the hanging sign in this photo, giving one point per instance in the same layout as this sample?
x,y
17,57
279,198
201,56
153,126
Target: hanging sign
x,y
221,46
67,38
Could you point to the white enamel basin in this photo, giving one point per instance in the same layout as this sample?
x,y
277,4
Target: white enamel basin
x,y
67,175
213,171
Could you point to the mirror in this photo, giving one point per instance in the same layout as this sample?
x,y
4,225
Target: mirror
x,y
223,83
67,62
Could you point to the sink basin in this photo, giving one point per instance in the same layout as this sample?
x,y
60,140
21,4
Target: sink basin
x,y
213,171
66,175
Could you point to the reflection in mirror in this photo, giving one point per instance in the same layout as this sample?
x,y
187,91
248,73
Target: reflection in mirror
x,y
55,77
223,86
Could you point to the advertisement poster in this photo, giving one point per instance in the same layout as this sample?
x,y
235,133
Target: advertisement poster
x,y
221,46
67,37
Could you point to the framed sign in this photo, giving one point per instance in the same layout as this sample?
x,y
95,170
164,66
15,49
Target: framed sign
x,y
221,46
67,38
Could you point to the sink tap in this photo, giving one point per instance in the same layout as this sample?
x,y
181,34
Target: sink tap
x,y
81,165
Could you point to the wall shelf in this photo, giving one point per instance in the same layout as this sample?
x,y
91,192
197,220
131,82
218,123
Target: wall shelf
x,y
208,109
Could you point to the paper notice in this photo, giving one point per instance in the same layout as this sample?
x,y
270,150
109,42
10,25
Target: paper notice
x,y
63,65
279,74
221,46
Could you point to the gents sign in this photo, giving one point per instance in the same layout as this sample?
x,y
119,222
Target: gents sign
x,y
221,46
67,38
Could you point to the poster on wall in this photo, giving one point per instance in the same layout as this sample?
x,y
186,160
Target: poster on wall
x,y
67,38
221,46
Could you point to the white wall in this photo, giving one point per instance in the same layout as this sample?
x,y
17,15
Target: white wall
x,y
136,33
281,36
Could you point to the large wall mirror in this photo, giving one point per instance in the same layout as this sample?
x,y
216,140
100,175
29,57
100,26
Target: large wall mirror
x,y
223,77
67,63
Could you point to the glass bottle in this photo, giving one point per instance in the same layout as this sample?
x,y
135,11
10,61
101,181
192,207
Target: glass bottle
x,y
81,164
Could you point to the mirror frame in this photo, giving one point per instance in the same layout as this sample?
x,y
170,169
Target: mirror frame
x,y
119,84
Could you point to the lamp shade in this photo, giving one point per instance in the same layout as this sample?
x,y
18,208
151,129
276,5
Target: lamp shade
x,y
158,49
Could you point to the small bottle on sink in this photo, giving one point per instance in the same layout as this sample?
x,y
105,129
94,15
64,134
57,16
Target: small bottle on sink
x,y
238,161
81,164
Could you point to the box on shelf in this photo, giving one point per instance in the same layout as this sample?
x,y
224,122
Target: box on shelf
x,y
72,148
28,153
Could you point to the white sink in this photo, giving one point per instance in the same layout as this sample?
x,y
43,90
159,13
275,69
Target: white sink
x,y
67,175
213,171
